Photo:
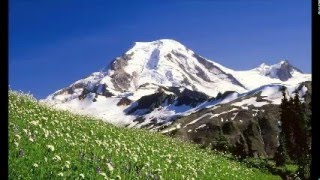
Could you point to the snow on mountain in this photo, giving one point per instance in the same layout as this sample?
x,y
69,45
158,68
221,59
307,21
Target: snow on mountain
x,y
281,73
167,63
156,82
283,70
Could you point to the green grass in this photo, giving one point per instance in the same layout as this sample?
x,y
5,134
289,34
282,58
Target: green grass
x,y
89,148
268,165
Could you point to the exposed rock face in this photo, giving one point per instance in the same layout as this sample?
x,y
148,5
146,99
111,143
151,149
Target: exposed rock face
x,y
124,102
269,131
254,140
70,89
150,102
282,71
243,136
251,131
121,79
192,98
303,86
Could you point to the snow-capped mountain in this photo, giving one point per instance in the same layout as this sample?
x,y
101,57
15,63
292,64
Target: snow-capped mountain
x,y
153,83
282,71
167,63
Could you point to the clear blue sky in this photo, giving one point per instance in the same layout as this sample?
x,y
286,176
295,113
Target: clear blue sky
x,y
54,43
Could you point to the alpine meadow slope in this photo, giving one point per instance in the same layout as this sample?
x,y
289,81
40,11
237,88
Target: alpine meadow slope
x,y
54,144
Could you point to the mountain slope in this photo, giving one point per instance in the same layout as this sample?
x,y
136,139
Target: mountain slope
x,y
50,144
248,125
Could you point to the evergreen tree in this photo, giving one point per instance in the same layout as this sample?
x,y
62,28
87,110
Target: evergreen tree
x,y
281,155
290,120
302,150
294,137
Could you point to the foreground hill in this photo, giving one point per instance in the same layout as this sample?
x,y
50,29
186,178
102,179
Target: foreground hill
x,y
49,144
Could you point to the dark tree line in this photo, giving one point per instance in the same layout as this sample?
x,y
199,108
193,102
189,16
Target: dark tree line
x,y
295,134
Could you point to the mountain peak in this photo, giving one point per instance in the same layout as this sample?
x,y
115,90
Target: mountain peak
x,y
159,41
284,62
263,66
160,44
282,70
280,63
167,62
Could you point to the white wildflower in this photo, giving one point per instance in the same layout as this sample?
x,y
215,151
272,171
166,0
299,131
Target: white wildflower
x,y
34,123
56,157
67,164
50,147
98,142
35,165
135,158
68,135
60,174
16,143
30,139
81,175
46,133
19,137
110,167
179,165
103,174
147,164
